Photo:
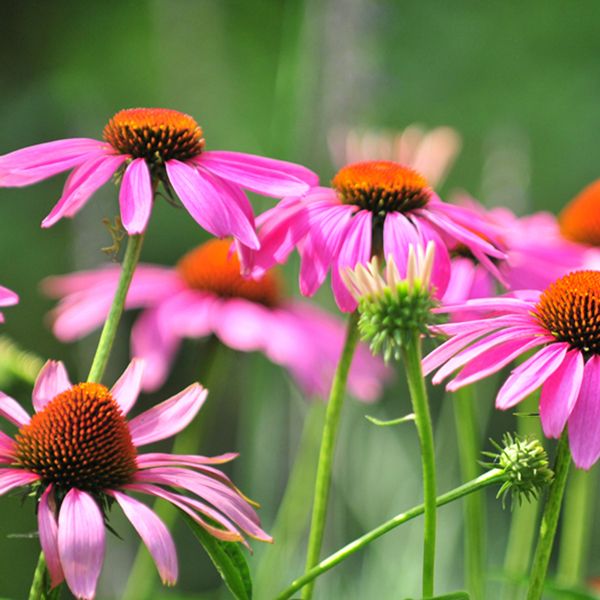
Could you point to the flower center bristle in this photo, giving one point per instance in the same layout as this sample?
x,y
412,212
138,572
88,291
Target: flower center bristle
x,y
79,440
382,186
211,267
580,219
570,310
155,134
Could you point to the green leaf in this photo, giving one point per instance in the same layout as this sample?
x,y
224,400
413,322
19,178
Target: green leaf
x,y
228,559
380,423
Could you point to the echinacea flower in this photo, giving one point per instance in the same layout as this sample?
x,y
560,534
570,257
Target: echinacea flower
x,y
205,294
561,326
7,298
79,454
147,145
375,208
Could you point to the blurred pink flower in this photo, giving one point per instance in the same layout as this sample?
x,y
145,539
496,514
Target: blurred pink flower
x,y
565,321
205,294
79,453
158,144
7,298
374,207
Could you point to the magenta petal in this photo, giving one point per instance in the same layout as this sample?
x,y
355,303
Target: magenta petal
x,y
48,530
560,393
584,422
8,297
127,389
13,478
51,381
11,410
169,417
7,449
81,543
398,235
136,196
531,375
154,533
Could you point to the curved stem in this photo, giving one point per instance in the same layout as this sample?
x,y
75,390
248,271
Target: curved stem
x,y
493,476
326,452
416,385
550,520
467,433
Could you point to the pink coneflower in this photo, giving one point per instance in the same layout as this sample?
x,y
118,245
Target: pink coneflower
x,y
78,453
7,298
203,295
157,144
375,207
565,321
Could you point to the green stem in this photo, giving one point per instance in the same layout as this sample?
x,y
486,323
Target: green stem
x,y
575,530
416,385
489,478
326,452
550,520
467,433
109,331
39,584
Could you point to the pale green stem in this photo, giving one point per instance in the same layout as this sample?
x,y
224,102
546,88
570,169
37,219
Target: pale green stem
x,y
467,433
550,520
418,393
489,478
524,516
327,450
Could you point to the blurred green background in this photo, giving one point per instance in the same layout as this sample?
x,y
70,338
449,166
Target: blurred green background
x,y
519,81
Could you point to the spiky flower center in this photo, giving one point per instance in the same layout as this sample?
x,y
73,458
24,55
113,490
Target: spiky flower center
x,y
382,186
580,219
79,440
154,134
212,267
570,310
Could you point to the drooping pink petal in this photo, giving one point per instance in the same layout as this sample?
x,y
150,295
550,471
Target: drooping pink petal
x,y
265,176
84,181
8,297
81,543
13,478
559,394
48,530
160,459
531,375
11,410
584,422
51,381
499,305
127,389
442,268
398,234
7,449
136,196
168,417
244,325
155,535
449,348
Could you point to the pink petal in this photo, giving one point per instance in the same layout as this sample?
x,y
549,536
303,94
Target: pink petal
x,y
81,543
127,389
584,422
448,349
169,417
531,375
560,393
136,196
84,181
155,535
48,530
8,297
244,325
266,176
11,410
52,380
161,459
7,449
398,234
440,275
12,478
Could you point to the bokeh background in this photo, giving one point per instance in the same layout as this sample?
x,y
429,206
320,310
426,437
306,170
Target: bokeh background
x,y
519,81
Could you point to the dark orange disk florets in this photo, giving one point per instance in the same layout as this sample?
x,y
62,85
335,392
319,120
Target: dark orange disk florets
x,y
382,186
570,310
211,267
155,134
580,219
79,440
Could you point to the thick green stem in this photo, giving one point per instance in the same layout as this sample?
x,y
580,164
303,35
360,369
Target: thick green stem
x,y
467,433
39,584
109,331
576,530
418,393
326,452
489,478
550,520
